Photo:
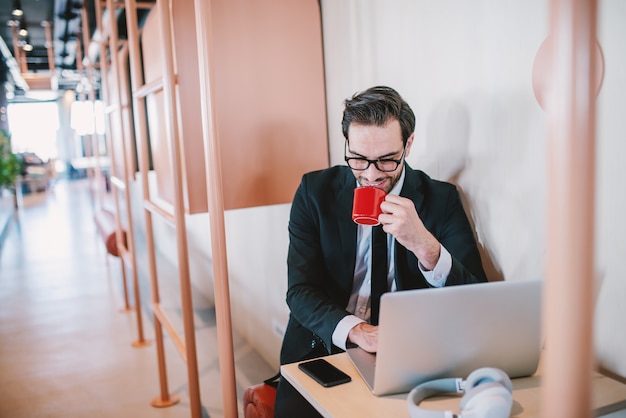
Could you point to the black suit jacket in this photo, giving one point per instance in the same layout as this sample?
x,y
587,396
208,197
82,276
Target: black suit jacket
x,y
322,252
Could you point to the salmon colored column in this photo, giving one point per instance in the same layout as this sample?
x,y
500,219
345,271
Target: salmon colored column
x,y
568,302
174,153
128,253
216,211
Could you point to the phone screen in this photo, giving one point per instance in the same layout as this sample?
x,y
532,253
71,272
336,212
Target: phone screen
x,y
324,373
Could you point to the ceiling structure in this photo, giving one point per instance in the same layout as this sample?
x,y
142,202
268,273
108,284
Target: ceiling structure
x,y
50,56
45,55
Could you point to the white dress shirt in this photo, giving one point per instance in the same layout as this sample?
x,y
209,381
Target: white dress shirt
x,y
359,303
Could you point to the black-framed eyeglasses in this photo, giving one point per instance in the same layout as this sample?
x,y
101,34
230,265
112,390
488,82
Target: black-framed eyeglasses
x,y
383,164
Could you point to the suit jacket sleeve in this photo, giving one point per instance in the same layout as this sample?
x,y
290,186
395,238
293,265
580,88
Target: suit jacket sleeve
x,y
440,208
320,269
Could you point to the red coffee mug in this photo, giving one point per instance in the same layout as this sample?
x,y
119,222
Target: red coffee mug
x,y
366,205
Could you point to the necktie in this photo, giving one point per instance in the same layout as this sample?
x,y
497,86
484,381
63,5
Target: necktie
x,y
379,270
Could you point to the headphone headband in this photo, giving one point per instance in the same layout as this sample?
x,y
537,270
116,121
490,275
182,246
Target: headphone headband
x,y
487,394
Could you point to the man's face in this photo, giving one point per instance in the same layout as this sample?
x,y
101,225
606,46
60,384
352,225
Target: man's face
x,y
377,143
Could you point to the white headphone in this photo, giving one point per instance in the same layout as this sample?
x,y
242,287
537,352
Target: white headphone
x,y
487,395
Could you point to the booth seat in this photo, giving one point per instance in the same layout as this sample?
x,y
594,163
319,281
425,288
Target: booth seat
x,y
258,401
105,223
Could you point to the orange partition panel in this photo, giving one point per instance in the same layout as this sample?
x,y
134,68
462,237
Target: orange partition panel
x,y
269,97
157,115
155,110
269,100
188,97
115,127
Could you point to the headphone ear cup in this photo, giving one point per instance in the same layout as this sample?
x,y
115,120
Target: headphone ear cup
x,y
488,374
488,400
487,394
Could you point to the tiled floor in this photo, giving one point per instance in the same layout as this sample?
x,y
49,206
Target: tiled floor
x,y
66,344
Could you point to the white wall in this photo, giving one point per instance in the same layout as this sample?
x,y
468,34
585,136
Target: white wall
x,y
466,69
610,321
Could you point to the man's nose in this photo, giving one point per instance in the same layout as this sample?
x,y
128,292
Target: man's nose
x,y
373,170
372,174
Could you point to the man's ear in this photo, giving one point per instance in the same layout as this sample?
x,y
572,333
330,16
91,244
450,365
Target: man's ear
x,y
409,142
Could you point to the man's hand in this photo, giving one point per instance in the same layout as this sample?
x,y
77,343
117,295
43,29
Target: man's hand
x,y
365,336
401,220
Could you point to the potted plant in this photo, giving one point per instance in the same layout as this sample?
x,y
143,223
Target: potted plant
x,y
10,164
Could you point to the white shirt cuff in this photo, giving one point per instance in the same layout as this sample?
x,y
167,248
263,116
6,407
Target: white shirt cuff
x,y
437,276
340,335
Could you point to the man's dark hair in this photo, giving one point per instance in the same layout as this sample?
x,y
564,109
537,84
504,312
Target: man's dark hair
x,y
377,106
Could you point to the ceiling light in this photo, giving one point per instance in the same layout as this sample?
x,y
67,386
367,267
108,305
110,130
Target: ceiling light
x,y
23,29
17,8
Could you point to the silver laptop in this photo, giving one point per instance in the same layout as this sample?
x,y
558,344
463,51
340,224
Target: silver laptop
x,y
449,332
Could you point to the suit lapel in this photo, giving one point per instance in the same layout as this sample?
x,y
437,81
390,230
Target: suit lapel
x,y
344,195
407,274
412,188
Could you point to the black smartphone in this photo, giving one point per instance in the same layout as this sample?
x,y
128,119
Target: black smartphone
x,y
324,373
